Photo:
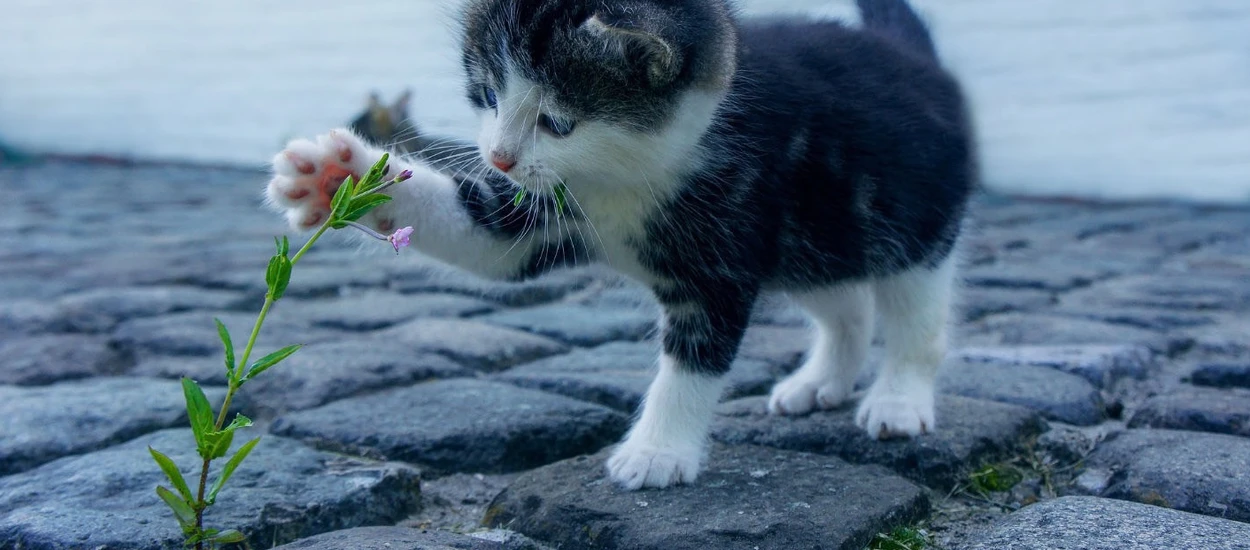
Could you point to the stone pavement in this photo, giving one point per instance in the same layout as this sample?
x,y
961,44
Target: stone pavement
x,y
1101,378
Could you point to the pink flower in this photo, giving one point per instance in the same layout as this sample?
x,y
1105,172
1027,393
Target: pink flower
x,y
399,239
404,176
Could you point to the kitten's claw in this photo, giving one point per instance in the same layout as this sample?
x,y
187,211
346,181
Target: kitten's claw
x,y
307,173
636,466
888,411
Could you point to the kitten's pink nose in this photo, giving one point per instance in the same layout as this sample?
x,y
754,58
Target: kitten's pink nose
x,y
503,161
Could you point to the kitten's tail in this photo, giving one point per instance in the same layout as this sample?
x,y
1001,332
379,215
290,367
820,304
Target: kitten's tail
x,y
894,19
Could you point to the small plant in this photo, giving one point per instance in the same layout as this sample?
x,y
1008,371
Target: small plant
x,y
994,478
901,538
213,437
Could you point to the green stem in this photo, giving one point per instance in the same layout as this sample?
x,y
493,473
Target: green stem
x,y
307,245
260,320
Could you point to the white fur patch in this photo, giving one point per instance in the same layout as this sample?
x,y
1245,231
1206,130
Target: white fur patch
x,y
843,317
667,443
914,312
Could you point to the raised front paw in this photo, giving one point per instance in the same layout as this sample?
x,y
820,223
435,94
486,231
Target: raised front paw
x,y
307,173
635,466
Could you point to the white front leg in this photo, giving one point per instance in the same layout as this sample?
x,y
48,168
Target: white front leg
x,y
307,173
668,442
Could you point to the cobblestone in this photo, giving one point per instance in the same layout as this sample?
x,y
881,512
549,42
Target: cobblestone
x,y
45,423
767,498
459,426
283,491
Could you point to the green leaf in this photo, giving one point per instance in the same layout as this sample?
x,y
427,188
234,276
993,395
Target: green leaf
x,y
278,276
284,247
199,412
263,364
225,339
373,177
520,196
171,471
342,199
239,421
218,443
182,509
363,204
229,469
560,191
229,536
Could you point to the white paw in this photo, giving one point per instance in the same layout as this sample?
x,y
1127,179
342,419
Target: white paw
x,y
306,174
799,394
889,411
637,466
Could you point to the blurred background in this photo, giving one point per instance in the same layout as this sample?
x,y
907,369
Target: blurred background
x,y
1096,98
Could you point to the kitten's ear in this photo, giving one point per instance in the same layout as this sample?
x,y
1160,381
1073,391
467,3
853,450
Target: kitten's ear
x,y
401,103
638,40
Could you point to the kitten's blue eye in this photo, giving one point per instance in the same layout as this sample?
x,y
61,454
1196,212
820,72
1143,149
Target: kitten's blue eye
x,y
558,127
488,94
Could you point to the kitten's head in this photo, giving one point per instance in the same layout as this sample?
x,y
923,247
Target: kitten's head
x,y
577,91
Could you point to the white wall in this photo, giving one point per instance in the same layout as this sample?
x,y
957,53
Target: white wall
x,y
1127,98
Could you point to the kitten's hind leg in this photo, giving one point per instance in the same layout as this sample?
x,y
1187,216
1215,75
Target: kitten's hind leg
x,y
914,309
843,318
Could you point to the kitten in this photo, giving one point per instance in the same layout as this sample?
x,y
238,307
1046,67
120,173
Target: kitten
x,y
714,160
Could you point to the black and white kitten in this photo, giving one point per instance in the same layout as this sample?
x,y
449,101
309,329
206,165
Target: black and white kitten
x,y
713,160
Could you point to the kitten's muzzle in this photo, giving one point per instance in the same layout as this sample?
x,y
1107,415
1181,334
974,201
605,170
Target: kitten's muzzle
x,y
505,162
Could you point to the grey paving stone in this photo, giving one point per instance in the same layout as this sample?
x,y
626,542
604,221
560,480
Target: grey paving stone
x,y
978,302
1102,365
1195,472
623,294
101,309
282,492
1180,292
473,344
459,426
28,316
1014,329
576,324
969,432
34,360
1090,523
321,373
1187,234
1159,320
377,310
195,334
1056,395
1197,409
1222,375
748,497
391,538
781,347
1034,275
47,422
548,288
617,375
1227,337
206,370
307,281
